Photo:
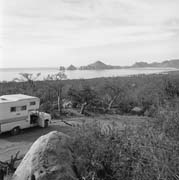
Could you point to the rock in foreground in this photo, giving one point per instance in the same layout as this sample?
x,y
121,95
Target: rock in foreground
x,y
49,158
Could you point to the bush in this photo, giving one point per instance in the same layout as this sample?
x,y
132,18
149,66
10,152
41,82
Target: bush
x,y
124,93
167,121
141,153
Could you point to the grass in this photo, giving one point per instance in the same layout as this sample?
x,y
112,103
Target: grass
x,y
148,151
143,149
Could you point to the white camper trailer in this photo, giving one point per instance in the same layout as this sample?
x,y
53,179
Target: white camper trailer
x,y
19,111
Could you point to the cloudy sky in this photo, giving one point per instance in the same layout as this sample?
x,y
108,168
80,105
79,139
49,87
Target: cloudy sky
x,y
47,33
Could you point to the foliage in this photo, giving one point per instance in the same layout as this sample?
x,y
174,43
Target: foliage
x,y
172,87
57,86
9,167
148,151
86,95
29,77
150,92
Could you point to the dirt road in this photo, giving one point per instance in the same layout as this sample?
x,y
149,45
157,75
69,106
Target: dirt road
x,y
9,145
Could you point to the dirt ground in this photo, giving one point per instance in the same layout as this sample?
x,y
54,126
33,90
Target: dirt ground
x,y
9,145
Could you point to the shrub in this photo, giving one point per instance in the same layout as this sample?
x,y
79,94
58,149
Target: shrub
x,y
141,153
167,121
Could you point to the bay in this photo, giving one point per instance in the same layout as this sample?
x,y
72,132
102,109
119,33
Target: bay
x,y
10,74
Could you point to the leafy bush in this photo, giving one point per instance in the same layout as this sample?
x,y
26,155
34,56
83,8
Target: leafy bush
x,y
167,121
172,87
142,153
101,94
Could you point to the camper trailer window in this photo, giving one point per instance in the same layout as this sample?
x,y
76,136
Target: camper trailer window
x,y
13,109
32,103
23,108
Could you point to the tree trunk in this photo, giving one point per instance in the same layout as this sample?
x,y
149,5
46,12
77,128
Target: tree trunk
x,y
60,101
83,108
111,102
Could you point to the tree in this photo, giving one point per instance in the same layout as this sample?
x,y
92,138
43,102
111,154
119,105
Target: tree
x,y
57,86
86,96
113,92
61,68
74,96
9,167
29,78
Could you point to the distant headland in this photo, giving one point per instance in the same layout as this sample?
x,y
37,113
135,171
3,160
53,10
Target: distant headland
x,y
99,65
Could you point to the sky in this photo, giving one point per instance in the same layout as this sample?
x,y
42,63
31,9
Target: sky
x,y
51,33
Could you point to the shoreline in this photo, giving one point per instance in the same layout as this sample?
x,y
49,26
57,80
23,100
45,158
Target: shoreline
x,y
78,69
9,75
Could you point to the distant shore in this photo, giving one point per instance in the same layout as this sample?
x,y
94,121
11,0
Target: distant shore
x,y
9,74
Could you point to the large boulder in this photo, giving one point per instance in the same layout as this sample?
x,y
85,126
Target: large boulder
x,y
49,158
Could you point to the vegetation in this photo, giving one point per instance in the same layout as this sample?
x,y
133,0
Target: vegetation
x,y
57,86
7,168
85,96
149,150
118,94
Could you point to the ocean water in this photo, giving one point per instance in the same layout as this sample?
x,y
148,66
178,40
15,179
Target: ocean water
x,y
10,74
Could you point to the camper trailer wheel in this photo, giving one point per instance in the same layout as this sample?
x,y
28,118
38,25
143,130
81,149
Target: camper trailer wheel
x,y
46,123
15,131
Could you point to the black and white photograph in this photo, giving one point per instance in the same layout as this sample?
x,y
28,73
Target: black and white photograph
x,y
89,89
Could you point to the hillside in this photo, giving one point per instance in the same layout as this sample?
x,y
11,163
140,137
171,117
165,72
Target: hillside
x,y
95,66
99,65
170,64
71,67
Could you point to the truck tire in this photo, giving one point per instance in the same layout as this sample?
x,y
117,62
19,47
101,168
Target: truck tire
x,y
46,124
15,131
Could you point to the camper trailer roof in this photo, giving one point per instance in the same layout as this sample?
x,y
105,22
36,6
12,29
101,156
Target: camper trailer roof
x,y
14,97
